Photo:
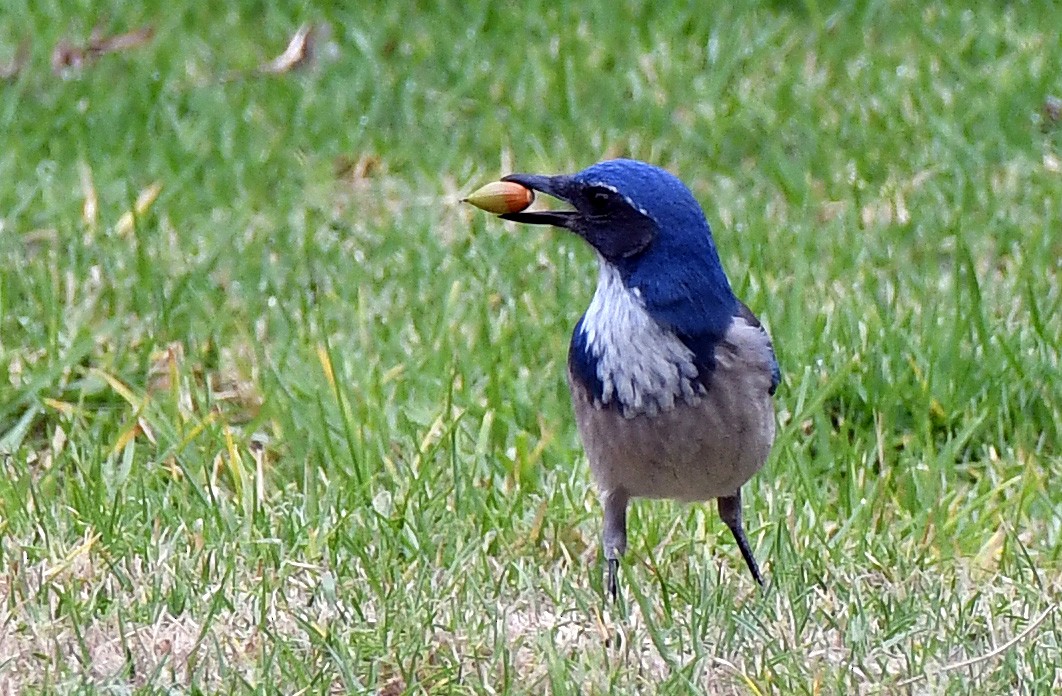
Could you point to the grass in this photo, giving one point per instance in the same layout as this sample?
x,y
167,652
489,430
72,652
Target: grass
x,y
300,425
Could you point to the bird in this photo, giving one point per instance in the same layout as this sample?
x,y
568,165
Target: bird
x,y
672,377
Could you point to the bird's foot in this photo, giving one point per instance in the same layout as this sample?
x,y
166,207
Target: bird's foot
x,y
613,569
730,511
750,560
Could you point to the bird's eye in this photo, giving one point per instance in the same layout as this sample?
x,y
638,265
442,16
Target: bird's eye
x,y
599,200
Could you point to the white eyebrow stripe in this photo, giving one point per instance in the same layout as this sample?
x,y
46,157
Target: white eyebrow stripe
x,y
637,207
603,185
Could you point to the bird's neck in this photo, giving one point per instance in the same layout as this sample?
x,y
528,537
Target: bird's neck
x,y
626,358
685,289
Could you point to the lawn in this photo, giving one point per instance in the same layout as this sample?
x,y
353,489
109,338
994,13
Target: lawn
x,y
278,414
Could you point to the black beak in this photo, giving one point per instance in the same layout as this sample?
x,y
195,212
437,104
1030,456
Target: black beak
x,y
559,187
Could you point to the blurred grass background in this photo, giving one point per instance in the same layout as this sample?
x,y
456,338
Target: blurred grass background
x,y
297,421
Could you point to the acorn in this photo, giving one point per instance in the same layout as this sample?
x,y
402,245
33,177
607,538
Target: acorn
x,y
501,197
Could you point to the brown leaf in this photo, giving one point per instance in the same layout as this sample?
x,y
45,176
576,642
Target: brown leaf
x,y
356,168
300,51
68,56
100,45
1052,112
393,687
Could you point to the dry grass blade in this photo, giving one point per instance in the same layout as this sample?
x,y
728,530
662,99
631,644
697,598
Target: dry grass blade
x,y
993,653
144,200
90,209
12,69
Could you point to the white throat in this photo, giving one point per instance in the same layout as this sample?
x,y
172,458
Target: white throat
x,y
643,367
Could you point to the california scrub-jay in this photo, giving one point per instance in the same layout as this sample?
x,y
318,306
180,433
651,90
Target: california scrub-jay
x,y
671,375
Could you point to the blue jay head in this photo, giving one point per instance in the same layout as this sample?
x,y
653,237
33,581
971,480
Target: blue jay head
x,y
646,223
624,209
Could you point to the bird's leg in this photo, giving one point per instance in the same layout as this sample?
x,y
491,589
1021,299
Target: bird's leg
x,y
730,511
615,534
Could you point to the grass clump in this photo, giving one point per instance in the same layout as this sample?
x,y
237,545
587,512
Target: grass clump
x,y
277,414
